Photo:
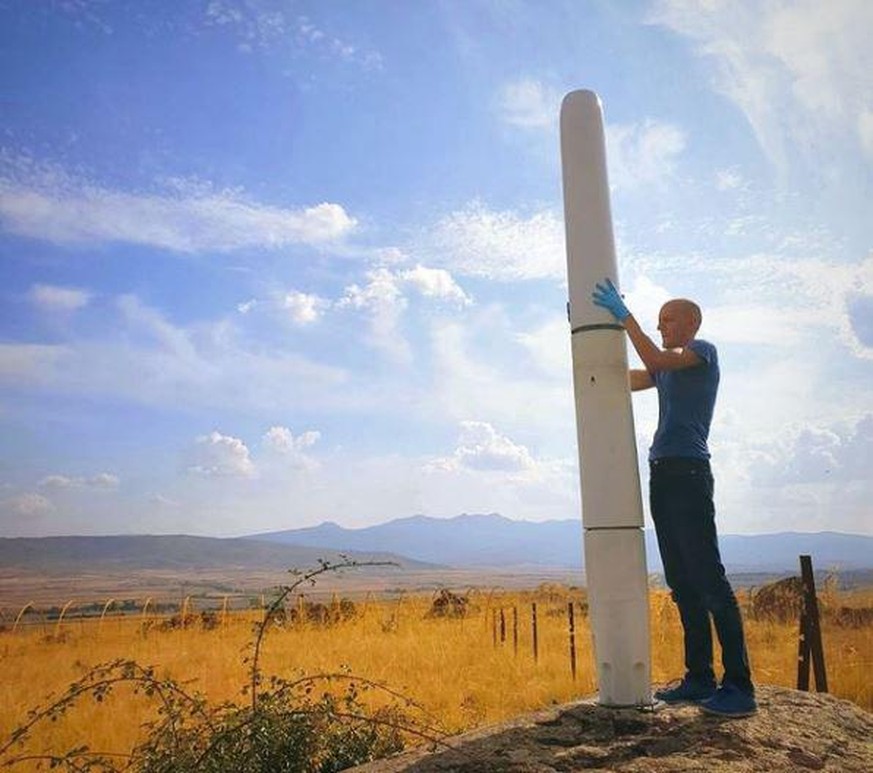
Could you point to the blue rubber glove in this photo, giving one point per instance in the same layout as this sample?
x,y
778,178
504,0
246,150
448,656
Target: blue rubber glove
x,y
607,297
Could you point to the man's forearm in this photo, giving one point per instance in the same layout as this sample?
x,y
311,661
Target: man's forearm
x,y
645,347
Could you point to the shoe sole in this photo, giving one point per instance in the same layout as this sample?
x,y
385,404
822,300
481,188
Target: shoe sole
x,y
729,714
680,701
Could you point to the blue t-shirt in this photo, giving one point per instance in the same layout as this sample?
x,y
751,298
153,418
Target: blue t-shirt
x,y
686,399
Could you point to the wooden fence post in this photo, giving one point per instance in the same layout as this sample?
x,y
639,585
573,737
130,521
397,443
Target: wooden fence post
x,y
502,626
572,622
810,645
533,613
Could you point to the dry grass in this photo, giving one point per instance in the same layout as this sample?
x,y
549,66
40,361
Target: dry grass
x,y
450,666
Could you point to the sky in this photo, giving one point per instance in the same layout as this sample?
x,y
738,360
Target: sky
x,y
267,263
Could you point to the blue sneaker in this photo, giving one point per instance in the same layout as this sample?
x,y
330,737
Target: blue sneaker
x,y
689,690
730,701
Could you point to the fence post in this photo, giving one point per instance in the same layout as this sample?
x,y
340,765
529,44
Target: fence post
x,y
533,612
810,645
502,626
572,622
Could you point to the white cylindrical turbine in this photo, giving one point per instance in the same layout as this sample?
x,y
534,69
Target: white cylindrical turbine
x,y
612,512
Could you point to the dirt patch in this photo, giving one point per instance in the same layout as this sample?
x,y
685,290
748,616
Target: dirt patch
x,y
792,731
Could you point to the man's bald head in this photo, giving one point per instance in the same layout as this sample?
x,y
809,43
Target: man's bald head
x,y
687,310
678,322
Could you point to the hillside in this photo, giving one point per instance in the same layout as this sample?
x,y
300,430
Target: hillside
x,y
59,555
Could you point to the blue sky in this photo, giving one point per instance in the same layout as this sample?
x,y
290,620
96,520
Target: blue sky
x,y
267,263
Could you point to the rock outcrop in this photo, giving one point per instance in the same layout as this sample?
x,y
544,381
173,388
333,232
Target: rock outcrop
x,y
792,731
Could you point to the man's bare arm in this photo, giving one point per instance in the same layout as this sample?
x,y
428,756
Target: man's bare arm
x,y
641,379
654,358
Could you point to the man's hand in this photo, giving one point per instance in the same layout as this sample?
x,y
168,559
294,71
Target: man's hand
x,y
607,297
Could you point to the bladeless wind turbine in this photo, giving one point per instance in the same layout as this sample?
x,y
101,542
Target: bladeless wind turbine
x,y
612,513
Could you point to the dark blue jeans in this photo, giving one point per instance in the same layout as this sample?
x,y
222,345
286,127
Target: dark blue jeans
x,y
681,499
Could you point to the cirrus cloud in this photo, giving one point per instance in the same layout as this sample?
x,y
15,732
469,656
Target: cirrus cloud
x,y
46,203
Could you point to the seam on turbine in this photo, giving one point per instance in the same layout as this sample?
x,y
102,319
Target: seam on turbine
x,y
600,326
612,528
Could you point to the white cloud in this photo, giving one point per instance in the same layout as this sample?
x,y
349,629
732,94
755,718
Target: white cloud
x,y
529,104
642,154
383,300
795,68
49,205
28,504
103,481
480,447
771,299
549,347
435,283
482,368
148,360
164,501
490,472
53,298
222,456
865,130
503,246
728,179
282,440
809,453
262,27
303,308
290,448
32,363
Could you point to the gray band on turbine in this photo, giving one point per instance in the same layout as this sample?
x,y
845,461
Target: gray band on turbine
x,y
613,528
600,326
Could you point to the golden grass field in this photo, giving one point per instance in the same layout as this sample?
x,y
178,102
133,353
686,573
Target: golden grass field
x,y
452,667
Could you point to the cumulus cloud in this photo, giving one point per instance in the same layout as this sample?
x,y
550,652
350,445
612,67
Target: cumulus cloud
x,y
435,283
384,299
222,456
303,308
290,448
499,245
282,440
103,481
481,447
48,204
52,298
817,454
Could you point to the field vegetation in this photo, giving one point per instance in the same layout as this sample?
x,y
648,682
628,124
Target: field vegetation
x,y
460,663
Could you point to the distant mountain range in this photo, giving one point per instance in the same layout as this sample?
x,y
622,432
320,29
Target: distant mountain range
x,y
419,543
493,541
171,552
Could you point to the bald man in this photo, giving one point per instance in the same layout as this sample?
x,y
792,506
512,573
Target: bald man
x,y
684,370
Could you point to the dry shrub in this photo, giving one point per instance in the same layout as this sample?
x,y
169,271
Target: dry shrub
x,y
448,604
